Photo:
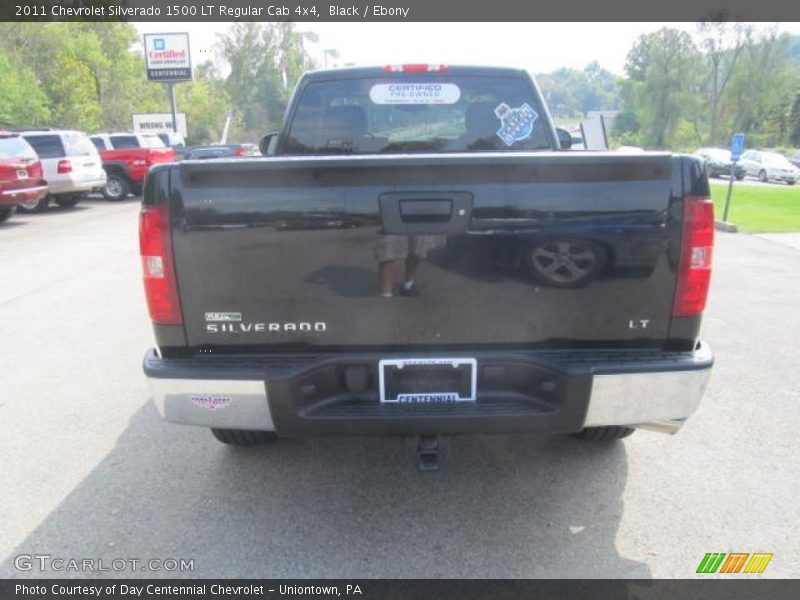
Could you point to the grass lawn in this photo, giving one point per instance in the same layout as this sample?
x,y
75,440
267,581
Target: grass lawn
x,y
759,209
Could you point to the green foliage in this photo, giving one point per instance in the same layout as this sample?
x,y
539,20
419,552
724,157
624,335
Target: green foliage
x,y
572,93
265,62
22,101
681,93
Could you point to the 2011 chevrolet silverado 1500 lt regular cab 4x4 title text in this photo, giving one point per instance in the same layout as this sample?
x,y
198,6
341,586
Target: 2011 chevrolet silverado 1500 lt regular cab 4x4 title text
x,y
418,255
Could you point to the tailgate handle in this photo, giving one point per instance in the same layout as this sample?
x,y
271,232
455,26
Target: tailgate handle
x,y
426,211
421,213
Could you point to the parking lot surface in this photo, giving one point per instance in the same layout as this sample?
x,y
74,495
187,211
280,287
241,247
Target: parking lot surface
x,y
90,471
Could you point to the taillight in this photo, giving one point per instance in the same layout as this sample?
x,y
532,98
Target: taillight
x,y
415,68
694,269
158,266
240,151
64,167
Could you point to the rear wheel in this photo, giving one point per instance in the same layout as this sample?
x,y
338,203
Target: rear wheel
x,y
5,213
740,176
116,187
68,200
604,434
34,205
244,437
762,176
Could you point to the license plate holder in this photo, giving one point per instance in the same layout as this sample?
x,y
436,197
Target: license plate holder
x,y
22,173
428,380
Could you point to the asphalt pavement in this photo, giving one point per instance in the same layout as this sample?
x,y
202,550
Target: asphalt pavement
x,y
89,470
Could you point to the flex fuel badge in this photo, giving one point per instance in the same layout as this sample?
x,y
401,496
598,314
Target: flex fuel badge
x,y
517,123
211,402
224,317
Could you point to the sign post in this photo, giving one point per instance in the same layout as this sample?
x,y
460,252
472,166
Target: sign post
x,y
168,60
737,147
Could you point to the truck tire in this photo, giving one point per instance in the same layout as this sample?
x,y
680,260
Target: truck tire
x,y
32,207
604,434
116,187
244,437
67,200
5,213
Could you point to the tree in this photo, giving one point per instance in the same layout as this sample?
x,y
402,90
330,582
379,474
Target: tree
x,y
722,45
762,88
22,101
260,58
663,68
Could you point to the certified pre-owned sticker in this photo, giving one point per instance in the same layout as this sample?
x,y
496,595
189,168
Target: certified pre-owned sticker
x,y
211,402
415,93
224,317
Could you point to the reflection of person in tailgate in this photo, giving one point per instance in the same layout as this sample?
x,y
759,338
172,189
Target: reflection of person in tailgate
x,y
392,251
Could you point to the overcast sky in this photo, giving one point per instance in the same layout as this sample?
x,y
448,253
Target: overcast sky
x,y
537,47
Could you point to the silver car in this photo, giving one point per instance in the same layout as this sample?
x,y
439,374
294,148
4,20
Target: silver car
x,y
769,166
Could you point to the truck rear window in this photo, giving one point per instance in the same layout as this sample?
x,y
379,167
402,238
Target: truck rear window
x,y
423,114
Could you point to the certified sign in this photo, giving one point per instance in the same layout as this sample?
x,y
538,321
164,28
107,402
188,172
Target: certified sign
x,y
167,56
415,93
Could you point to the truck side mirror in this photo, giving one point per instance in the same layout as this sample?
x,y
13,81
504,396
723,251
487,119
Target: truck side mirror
x,y
564,139
267,144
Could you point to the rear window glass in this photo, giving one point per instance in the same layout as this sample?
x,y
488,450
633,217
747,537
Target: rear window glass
x,y
98,143
46,146
152,141
78,144
15,147
122,142
417,114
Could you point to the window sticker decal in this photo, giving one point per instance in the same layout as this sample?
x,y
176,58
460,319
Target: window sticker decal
x,y
516,123
415,93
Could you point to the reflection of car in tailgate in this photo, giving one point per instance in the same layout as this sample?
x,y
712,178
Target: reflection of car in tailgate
x,y
418,257
127,157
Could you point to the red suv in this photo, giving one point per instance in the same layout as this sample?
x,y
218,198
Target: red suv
x,y
126,159
20,174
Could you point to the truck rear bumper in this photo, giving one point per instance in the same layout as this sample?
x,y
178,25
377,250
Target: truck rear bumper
x,y
549,391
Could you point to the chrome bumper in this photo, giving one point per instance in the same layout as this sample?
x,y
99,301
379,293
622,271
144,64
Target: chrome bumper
x,y
658,400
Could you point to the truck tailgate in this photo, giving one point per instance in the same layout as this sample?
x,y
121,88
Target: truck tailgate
x,y
513,249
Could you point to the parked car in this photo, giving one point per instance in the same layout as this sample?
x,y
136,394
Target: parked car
x,y
795,159
718,162
21,175
71,164
219,151
365,291
126,159
172,139
770,166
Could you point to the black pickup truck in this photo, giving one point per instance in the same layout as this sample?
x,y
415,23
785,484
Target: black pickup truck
x,y
420,253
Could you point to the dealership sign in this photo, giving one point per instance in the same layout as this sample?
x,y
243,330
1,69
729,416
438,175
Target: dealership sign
x,y
167,56
158,123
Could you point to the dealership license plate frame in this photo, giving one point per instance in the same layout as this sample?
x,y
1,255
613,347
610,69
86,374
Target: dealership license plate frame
x,y
445,396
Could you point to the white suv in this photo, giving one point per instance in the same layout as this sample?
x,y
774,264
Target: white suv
x,y
71,165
